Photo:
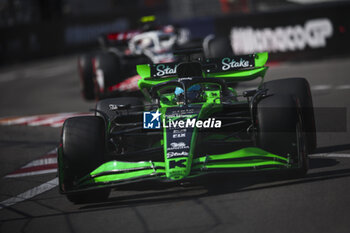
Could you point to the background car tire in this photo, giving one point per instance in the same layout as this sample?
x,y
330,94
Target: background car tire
x,y
83,145
280,130
300,88
217,47
107,68
86,75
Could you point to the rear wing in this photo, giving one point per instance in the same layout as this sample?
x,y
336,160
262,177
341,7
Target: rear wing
x,y
120,37
232,69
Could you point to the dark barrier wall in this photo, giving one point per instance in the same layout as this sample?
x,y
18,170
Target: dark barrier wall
x,y
26,42
311,32
31,41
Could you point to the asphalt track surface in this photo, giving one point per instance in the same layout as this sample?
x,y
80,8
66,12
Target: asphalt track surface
x,y
317,203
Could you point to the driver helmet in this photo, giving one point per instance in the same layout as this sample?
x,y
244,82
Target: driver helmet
x,y
193,94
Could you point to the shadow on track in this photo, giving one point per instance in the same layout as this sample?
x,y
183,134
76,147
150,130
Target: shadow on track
x,y
334,148
322,162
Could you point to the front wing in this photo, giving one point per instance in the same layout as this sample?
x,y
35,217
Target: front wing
x,y
115,173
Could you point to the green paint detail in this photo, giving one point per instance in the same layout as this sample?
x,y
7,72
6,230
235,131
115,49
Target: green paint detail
x,y
148,18
213,97
177,173
109,125
241,75
261,59
206,110
232,90
147,83
125,176
125,166
242,153
162,110
258,157
123,171
254,163
144,70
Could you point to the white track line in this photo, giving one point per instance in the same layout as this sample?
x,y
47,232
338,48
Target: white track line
x,y
330,155
343,87
19,120
30,193
39,166
321,87
33,173
57,124
324,87
7,77
53,120
49,120
40,162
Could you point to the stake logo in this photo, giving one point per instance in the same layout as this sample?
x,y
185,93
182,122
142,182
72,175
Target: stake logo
x,y
163,69
151,120
177,154
227,63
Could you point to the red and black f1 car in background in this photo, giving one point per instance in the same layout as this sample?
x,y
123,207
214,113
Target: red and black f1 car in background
x,y
111,71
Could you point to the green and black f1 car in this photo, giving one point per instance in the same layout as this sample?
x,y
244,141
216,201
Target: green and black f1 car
x,y
194,123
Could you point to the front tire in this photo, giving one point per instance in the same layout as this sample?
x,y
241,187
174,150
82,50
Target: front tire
x,y
280,130
83,146
300,88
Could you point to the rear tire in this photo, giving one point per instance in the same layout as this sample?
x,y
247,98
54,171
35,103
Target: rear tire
x,y
301,89
83,145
